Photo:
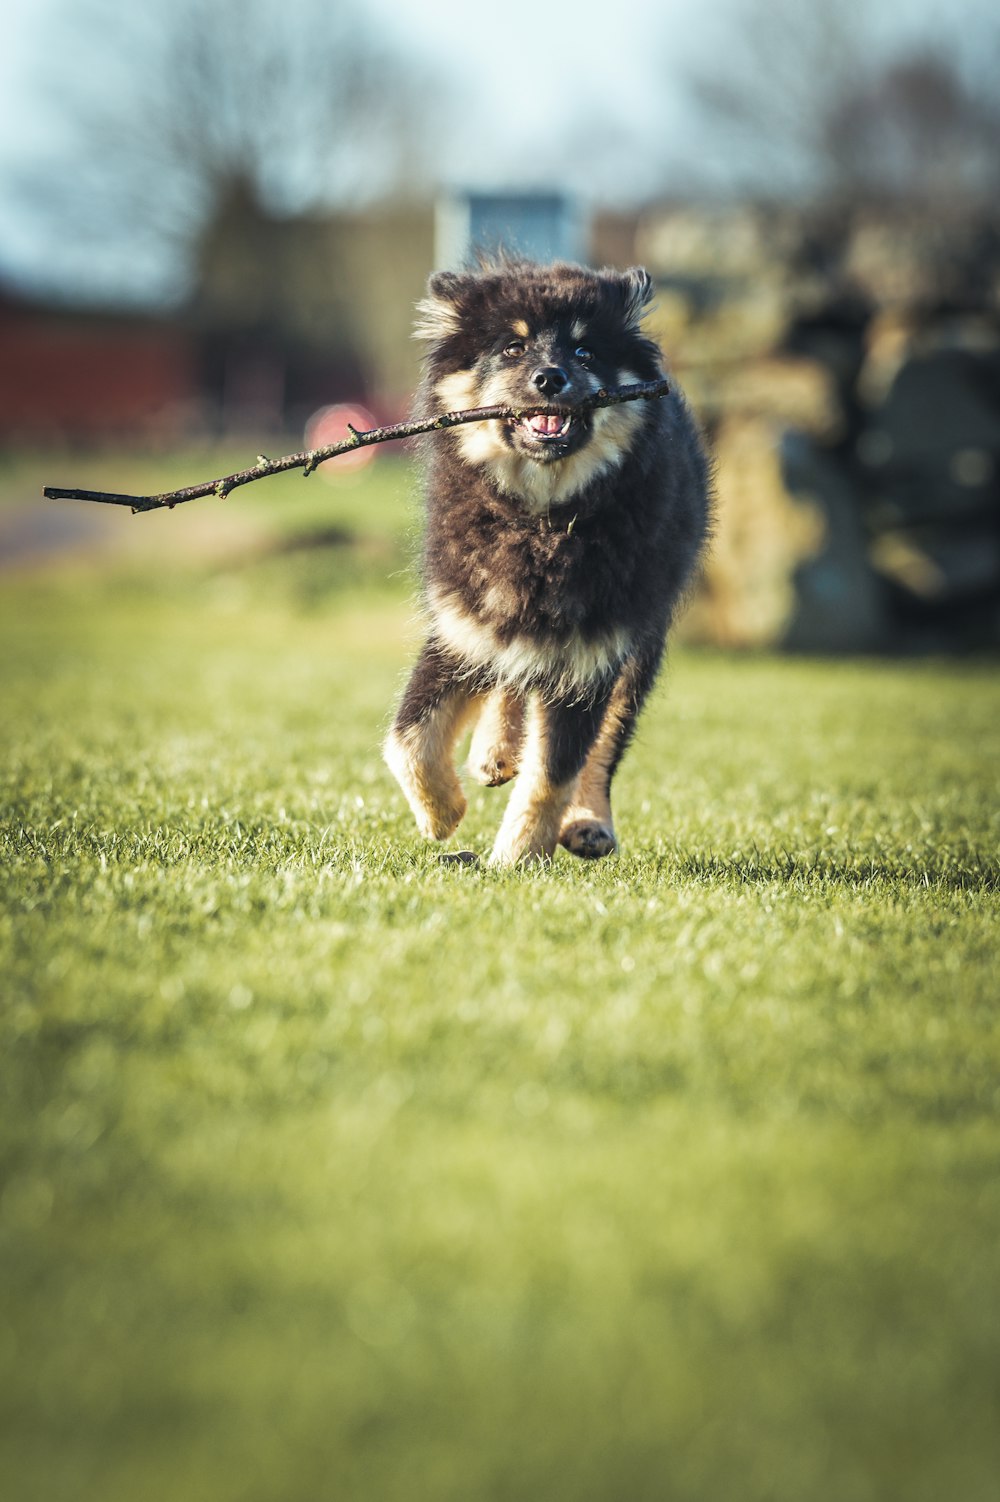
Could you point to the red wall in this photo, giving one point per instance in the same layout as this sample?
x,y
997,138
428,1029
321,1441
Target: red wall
x,y
84,376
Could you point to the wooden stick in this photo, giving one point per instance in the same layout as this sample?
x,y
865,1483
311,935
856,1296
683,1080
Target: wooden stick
x,y
309,459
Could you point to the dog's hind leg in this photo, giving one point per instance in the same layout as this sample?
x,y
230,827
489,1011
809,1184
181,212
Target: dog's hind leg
x,y
557,740
587,827
419,749
496,741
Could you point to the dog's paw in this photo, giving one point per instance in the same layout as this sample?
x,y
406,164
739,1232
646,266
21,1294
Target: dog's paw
x,y
521,845
438,814
504,857
495,767
588,839
495,748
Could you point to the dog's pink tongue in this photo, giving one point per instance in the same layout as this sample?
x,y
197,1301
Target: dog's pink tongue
x,y
546,422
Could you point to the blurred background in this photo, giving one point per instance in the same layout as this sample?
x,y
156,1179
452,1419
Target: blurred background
x,y
215,218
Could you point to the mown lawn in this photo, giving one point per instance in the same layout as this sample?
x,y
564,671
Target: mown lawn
x,y
333,1172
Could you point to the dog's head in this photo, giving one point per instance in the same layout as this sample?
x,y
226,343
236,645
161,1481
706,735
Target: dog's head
x,y
521,335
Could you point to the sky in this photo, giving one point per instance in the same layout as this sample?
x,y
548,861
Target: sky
x,y
592,96
527,67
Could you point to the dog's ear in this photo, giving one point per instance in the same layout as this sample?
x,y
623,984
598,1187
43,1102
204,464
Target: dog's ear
x,y
439,313
637,293
632,290
447,286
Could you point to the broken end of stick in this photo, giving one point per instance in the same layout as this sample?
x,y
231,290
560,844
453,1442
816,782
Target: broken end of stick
x,y
108,498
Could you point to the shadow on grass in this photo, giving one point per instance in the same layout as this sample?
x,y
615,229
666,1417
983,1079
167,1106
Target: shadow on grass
x,y
263,846
972,873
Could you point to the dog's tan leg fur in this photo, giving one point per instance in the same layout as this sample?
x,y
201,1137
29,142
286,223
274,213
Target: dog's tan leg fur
x,y
534,813
587,827
420,759
496,740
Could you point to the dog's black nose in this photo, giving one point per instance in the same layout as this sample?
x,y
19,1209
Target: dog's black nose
x,y
550,380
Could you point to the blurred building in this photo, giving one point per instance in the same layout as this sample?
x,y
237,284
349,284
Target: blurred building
x,y
539,226
287,315
296,313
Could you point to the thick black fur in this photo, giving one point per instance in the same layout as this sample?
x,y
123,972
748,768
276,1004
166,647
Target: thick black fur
x,y
554,561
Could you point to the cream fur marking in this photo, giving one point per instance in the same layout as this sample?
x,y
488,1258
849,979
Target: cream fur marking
x,y
496,740
480,442
500,599
568,668
542,486
534,813
436,319
420,759
539,486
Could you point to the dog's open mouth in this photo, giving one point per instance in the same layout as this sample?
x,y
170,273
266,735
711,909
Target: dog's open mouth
x,y
547,427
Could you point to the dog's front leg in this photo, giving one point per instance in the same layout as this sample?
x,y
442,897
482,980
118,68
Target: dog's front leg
x,y
437,703
558,738
587,828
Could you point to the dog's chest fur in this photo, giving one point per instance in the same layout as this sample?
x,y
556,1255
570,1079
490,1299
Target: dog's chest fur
x,y
612,558
574,570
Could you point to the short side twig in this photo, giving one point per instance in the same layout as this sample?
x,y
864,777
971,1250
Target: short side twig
x,y
308,460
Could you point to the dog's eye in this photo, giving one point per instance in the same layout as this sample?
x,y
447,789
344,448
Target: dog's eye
x,y
583,354
514,349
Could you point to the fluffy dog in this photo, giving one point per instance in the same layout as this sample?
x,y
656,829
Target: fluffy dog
x,y
556,550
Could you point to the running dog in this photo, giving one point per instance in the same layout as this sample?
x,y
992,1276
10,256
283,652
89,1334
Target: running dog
x,y
557,548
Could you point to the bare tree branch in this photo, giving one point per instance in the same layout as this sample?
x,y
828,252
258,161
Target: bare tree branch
x,y
309,459
809,99
156,111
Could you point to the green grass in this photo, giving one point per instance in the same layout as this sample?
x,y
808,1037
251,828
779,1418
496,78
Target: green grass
x,y
334,1172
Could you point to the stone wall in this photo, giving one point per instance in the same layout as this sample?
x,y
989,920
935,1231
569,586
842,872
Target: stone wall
x,y
846,366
